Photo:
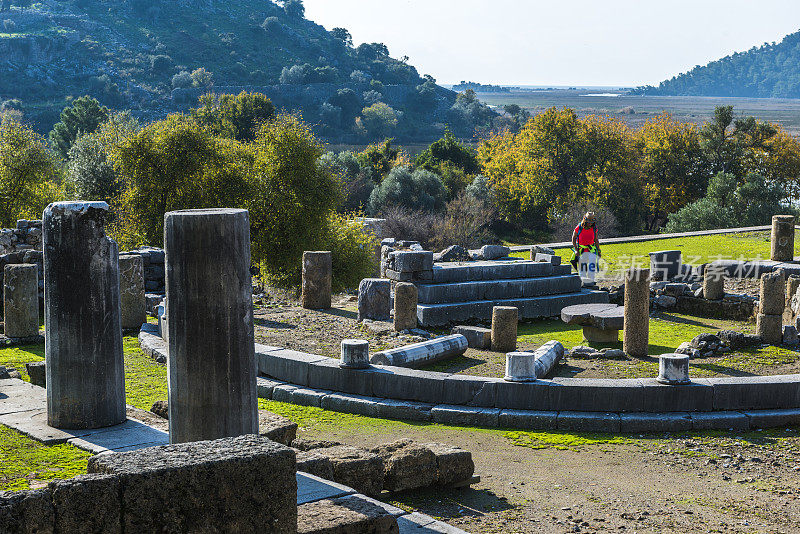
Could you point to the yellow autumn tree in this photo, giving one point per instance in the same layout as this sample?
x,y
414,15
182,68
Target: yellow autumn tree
x,y
778,159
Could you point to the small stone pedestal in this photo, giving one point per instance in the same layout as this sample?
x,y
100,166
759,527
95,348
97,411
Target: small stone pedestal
x,y
713,282
665,264
355,354
504,328
83,332
595,335
211,365
637,312
520,367
317,279
782,239
772,301
21,300
673,369
405,306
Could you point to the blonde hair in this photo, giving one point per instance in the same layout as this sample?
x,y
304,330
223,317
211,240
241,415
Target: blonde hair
x,y
589,217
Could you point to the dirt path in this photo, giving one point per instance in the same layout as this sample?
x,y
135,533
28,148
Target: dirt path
x,y
659,485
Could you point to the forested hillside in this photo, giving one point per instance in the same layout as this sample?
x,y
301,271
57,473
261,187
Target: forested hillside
x,y
769,71
158,56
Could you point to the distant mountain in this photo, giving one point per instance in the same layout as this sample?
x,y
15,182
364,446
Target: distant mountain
x,y
769,71
157,56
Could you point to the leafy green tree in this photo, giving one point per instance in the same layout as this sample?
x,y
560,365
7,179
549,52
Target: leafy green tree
x,y
415,190
357,180
202,78
28,172
380,158
82,117
448,150
234,116
378,120
294,8
343,35
725,139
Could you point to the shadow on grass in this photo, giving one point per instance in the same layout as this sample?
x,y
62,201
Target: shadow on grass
x,y
683,320
347,314
722,369
455,365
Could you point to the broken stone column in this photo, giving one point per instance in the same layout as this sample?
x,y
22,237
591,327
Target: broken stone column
x,y
83,332
21,300
405,306
131,290
713,282
211,364
782,239
317,277
673,369
520,367
504,328
374,298
355,354
636,335
420,354
772,301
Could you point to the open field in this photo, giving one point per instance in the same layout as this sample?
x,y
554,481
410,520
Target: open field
x,y
785,112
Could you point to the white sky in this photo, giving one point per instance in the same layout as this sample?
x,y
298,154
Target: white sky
x,y
560,42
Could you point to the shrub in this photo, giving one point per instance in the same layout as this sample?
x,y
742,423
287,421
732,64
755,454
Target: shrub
x,y
202,78
294,75
411,225
417,190
378,120
234,116
465,222
359,76
160,64
352,250
480,189
89,170
182,80
357,180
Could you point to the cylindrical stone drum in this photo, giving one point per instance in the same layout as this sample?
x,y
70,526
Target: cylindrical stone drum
x,y
782,239
21,300
636,335
520,367
83,332
211,364
405,306
317,279
504,328
673,369
770,328
772,293
355,354
713,282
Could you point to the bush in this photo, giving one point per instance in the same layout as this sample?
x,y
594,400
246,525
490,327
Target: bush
x,y
234,116
465,222
480,189
357,181
410,225
352,250
417,190
202,78
564,223
294,75
730,203
160,64
182,80
89,170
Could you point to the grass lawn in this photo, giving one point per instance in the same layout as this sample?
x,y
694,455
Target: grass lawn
x,y
696,250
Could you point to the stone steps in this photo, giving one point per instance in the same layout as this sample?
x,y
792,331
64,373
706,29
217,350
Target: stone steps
x,y
477,290
430,315
444,273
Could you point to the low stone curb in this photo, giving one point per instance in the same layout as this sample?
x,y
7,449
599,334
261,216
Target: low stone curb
x,y
586,405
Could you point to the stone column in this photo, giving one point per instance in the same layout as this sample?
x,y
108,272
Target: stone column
x,y
636,335
772,301
405,306
83,332
713,282
21,300
782,241
520,367
355,354
673,369
317,274
504,328
131,290
374,296
211,365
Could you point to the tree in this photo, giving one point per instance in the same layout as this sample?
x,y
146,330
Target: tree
x,y
349,102
234,116
380,158
202,78
378,120
343,35
294,8
82,117
415,190
28,170
726,140
448,150
357,180
182,80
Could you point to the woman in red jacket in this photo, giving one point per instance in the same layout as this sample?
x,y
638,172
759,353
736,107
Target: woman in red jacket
x,y
584,238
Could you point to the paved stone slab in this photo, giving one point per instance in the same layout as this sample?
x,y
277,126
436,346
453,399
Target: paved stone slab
x,y
528,419
282,364
418,523
311,488
597,394
698,396
773,418
131,435
581,314
756,392
588,422
466,416
720,421
655,422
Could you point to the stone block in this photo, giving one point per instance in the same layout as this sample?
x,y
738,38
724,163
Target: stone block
x,y
756,392
466,416
697,396
772,293
276,427
452,463
315,463
411,262
327,374
423,353
286,365
504,328
88,503
309,396
597,394
773,418
37,373
374,296
720,421
494,252
588,421
356,468
27,512
403,410
409,384
665,264
345,515
528,419
548,258
782,238
655,422
131,289
242,484
470,390
477,338
406,465
21,301
265,386
524,396
405,306
354,404
317,280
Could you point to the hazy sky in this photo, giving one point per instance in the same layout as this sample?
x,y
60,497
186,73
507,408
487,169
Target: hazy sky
x,y
560,42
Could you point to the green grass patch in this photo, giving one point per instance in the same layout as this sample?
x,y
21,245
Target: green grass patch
x,y
26,463
563,440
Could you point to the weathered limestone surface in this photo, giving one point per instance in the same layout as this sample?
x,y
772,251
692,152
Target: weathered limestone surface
x,y
772,293
520,367
83,348
477,337
131,289
355,354
423,353
504,328
770,328
374,299
673,369
782,239
637,312
407,465
713,282
317,279
405,306
21,300
212,365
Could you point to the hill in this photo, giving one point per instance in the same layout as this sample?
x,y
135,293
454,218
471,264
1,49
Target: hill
x,y
157,56
769,71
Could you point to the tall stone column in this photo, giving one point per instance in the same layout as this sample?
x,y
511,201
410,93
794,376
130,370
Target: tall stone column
x,y
131,288
83,333
405,306
782,240
21,300
636,335
211,366
317,278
